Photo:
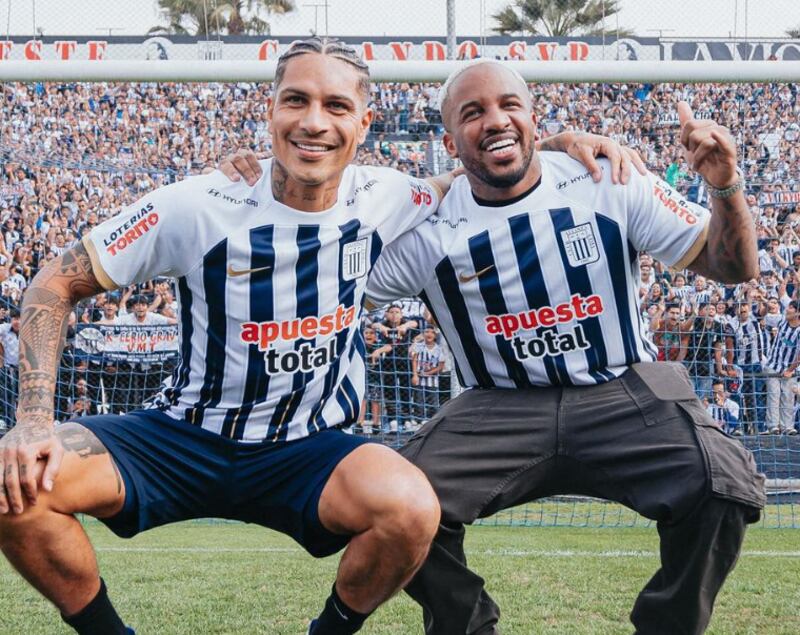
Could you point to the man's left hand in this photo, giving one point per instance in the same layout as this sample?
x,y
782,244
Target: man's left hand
x,y
587,147
708,147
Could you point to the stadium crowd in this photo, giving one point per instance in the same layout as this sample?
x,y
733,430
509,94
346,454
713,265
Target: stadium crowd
x,y
71,155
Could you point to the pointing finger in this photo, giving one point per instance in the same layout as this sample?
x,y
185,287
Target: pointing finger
x,y
684,113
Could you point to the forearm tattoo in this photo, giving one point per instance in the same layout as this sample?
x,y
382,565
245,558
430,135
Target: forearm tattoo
x,y
43,325
732,252
556,142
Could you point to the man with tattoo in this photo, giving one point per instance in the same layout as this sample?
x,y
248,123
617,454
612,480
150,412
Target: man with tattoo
x,y
531,274
271,278
272,367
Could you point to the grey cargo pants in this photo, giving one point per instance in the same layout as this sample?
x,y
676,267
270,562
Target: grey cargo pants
x,y
643,440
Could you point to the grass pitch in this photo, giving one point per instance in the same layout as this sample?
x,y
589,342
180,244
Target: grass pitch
x,y
197,578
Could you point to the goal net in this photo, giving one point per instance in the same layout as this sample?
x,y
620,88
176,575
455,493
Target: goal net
x,y
77,144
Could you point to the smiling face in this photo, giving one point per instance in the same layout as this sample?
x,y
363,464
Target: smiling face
x,y
491,128
318,117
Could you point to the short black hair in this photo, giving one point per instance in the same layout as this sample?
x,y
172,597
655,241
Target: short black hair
x,y
325,46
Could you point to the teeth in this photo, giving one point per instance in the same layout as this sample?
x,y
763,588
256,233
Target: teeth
x,y
303,146
500,144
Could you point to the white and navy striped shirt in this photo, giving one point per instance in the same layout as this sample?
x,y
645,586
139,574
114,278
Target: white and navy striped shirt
x,y
752,341
727,415
543,290
269,296
785,348
428,359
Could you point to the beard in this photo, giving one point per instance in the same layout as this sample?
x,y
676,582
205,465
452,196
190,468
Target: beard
x,y
479,169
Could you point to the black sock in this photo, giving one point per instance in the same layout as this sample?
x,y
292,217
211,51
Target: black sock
x,y
98,617
337,618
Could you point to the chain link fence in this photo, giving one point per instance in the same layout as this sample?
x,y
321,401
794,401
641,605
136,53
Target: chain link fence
x,y
73,154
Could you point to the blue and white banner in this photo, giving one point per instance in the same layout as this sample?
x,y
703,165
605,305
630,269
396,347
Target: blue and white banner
x,y
132,344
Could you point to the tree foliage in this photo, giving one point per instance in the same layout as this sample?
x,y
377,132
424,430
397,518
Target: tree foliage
x,y
556,18
226,17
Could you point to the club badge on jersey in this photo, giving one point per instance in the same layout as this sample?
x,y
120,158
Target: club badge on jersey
x,y
580,245
354,259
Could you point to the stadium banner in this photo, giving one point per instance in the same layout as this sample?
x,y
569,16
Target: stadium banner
x,y
132,344
783,197
175,47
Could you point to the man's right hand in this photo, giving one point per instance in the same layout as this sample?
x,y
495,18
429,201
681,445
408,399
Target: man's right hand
x,y
242,163
20,451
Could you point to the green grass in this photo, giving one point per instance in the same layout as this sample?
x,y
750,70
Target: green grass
x,y
197,578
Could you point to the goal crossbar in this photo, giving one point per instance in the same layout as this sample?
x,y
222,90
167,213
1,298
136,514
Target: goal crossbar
x,y
408,70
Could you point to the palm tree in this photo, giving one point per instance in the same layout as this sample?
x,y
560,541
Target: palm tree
x,y
556,18
232,17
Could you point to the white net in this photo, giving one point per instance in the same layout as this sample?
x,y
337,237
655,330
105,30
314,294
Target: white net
x,y
74,153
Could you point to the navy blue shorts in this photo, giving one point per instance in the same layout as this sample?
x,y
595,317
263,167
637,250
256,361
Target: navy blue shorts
x,y
175,471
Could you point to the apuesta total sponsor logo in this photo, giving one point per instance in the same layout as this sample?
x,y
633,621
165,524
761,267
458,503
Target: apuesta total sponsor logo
x,y
215,193
307,357
516,327
131,230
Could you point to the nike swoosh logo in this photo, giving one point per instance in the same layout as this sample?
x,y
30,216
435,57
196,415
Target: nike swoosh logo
x,y
470,277
235,273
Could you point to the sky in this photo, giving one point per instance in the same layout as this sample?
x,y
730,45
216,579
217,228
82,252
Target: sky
x,y
675,18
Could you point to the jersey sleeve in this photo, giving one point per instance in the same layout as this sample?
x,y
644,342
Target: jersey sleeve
x,y
410,202
152,237
402,270
663,223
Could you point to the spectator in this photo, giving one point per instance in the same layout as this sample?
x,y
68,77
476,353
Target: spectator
x,y
375,350
9,362
109,313
723,410
782,361
751,348
141,315
668,335
704,348
398,332
427,362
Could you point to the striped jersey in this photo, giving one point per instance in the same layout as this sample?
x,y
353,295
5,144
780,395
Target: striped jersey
x,y
269,296
543,289
428,359
726,415
785,348
751,341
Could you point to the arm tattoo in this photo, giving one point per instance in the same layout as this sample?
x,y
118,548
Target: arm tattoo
x,y
557,143
731,254
43,326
